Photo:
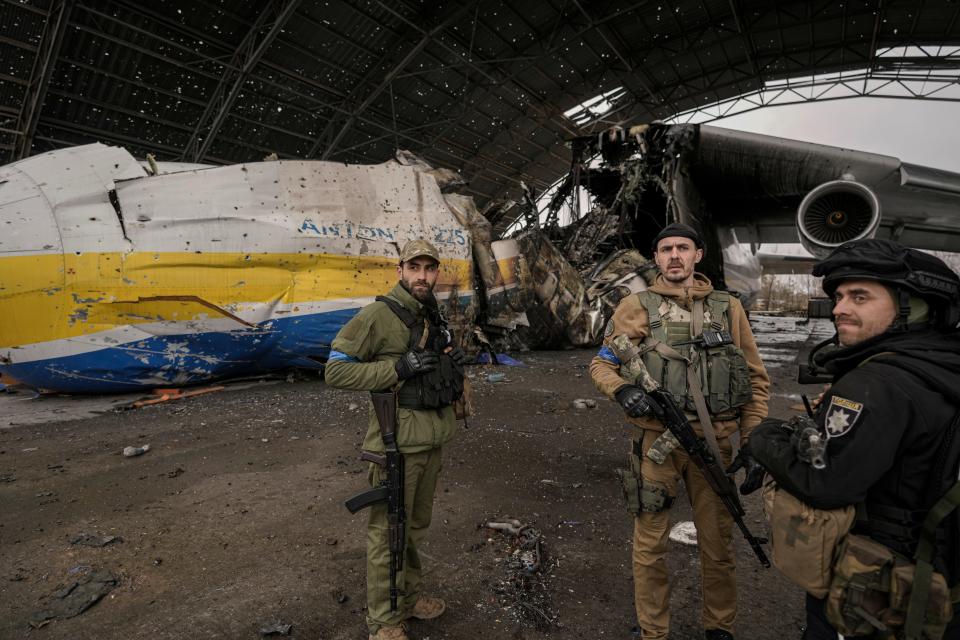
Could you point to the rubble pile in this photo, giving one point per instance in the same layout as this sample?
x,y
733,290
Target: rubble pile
x,y
524,591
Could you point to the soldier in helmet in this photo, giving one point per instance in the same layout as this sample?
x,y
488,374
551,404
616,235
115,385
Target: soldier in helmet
x,y
728,398
401,341
890,416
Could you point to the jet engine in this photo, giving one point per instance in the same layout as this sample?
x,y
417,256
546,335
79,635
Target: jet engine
x,y
836,212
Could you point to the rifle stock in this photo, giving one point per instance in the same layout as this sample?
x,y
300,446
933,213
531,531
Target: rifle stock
x,y
391,488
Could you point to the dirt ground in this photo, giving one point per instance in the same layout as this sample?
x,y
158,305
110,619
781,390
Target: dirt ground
x,y
234,519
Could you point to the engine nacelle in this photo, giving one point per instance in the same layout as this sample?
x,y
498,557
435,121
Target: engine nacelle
x,y
837,212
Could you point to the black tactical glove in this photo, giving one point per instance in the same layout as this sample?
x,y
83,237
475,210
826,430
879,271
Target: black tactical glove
x,y
416,363
753,476
633,400
458,356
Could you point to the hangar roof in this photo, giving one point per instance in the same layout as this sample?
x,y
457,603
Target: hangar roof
x,y
492,88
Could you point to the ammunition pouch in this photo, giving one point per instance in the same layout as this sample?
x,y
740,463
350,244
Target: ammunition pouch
x,y
434,389
870,592
721,371
804,540
638,495
727,385
438,388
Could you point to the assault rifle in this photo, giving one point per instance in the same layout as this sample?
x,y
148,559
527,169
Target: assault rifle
x,y
667,411
391,487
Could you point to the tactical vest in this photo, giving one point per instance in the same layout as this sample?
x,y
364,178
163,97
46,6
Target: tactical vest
x,y
722,371
902,529
434,389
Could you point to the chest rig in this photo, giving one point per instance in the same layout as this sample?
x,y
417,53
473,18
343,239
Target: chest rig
x,y
721,371
434,389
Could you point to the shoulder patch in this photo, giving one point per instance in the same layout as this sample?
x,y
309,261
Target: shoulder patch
x,y
842,414
608,331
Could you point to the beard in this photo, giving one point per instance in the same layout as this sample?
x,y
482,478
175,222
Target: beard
x,y
419,289
672,276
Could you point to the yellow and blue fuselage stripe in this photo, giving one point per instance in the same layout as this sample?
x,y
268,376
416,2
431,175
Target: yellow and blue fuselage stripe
x,y
113,321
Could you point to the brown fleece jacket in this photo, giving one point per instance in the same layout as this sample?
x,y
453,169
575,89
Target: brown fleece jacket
x,y
630,319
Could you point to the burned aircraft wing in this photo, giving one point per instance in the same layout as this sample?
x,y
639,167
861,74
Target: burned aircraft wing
x,y
778,190
112,279
740,190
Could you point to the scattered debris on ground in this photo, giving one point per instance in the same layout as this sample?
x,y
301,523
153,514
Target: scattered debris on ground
x,y
78,596
93,540
524,591
131,452
165,395
276,629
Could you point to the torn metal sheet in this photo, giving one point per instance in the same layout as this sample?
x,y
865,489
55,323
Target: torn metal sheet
x,y
561,312
618,275
502,268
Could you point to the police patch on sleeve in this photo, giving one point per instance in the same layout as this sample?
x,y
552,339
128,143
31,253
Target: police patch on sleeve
x,y
608,331
842,414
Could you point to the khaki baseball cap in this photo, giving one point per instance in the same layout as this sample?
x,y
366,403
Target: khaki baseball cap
x,y
417,248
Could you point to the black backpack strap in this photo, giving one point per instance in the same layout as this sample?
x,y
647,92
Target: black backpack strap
x,y
408,318
923,575
927,547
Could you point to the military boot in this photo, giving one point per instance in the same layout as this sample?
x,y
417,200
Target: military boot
x,y
717,634
398,632
428,608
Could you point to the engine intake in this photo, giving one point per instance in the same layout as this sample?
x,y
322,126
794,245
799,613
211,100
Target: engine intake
x,y
837,212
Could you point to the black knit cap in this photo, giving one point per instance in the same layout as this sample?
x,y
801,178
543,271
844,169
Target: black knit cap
x,y
677,229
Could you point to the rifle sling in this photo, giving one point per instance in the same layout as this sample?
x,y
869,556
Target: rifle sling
x,y
410,320
700,402
696,322
693,382
625,355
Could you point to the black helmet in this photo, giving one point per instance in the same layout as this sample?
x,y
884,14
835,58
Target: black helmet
x,y
906,270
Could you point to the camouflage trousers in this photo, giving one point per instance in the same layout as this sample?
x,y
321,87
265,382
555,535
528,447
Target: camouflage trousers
x,y
420,483
714,539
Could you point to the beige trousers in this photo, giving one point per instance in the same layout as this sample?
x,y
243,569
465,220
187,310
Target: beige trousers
x,y
714,524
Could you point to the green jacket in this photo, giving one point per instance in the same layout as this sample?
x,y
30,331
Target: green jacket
x,y
362,357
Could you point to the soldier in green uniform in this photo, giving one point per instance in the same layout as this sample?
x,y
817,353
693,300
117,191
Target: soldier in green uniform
x,y
401,342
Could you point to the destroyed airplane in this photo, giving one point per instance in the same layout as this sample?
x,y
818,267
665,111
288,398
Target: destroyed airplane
x,y
741,190
117,275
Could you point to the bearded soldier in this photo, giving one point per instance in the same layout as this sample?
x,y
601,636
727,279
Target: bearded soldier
x,y
401,341
890,420
730,385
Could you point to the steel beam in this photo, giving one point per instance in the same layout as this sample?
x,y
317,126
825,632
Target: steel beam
x,y
245,58
43,64
385,83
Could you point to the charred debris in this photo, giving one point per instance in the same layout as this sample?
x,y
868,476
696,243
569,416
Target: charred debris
x,y
572,277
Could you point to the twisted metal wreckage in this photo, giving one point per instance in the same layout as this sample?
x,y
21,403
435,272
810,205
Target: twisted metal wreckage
x,y
119,275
